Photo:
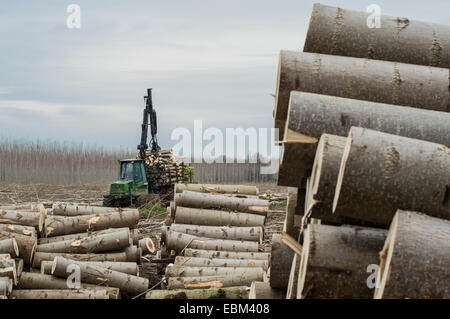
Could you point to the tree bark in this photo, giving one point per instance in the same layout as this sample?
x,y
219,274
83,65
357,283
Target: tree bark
x,y
335,261
133,253
34,280
92,244
62,209
47,240
221,202
61,225
8,269
221,232
185,215
384,182
34,219
189,252
147,246
217,189
240,292
280,263
293,278
9,246
244,279
178,241
115,257
186,271
19,229
370,80
99,275
26,244
263,290
337,31
130,268
415,261
216,262
59,294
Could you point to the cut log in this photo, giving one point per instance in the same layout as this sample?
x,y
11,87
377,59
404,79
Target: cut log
x,y
99,275
263,290
46,240
61,225
34,219
92,244
280,263
216,188
370,80
290,212
115,257
8,268
26,244
204,282
189,252
240,292
6,286
130,268
221,202
179,241
9,246
59,294
19,266
186,271
384,181
209,217
293,278
221,232
335,261
134,235
63,209
147,246
344,32
216,262
34,280
133,254
415,261
19,229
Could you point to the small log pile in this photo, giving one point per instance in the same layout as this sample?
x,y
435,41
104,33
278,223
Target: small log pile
x,y
212,242
163,170
70,251
364,121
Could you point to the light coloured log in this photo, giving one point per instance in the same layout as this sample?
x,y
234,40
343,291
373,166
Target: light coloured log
x,y
8,268
46,240
216,188
133,253
186,271
19,229
240,292
263,290
221,232
147,246
291,292
280,263
179,241
92,244
415,260
34,219
35,280
61,225
336,261
244,279
6,286
216,262
130,268
221,202
338,31
370,80
209,217
59,294
26,244
385,181
189,252
98,275
5,256
114,257
63,209
9,246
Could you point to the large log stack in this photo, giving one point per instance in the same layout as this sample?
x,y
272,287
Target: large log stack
x,y
212,241
98,245
363,115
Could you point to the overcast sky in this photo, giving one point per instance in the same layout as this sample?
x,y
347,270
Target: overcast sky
x,y
209,60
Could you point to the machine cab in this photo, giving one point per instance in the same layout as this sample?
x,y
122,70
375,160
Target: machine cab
x,y
133,170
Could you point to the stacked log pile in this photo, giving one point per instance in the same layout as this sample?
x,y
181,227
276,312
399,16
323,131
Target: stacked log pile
x,y
364,121
212,242
71,251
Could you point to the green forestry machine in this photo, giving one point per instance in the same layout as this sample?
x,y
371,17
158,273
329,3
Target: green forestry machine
x,y
153,171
